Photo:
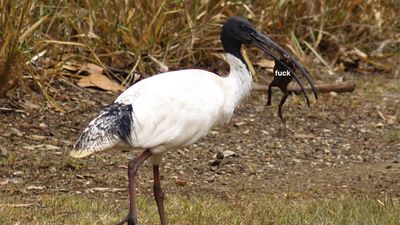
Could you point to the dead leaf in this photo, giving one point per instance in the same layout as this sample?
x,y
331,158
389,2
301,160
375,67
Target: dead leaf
x,y
266,63
92,68
105,189
304,136
181,182
161,66
34,187
17,132
16,205
30,105
4,182
359,53
15,180
229,153
36,57
50,147
381,115
42,125
36,137
100,81
241,123
41,146
72,68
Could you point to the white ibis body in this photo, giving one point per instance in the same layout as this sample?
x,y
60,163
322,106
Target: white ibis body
x,y
175,109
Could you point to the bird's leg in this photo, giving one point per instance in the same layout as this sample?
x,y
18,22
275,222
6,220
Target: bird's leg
x,y
133,166
281,104
159,195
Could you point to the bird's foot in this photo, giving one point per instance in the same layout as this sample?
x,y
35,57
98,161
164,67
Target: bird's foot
x,y
130,219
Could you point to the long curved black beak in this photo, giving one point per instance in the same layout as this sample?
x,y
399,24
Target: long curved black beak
x,y
268,46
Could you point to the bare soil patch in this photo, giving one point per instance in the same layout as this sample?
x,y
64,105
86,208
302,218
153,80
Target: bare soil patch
x,y
344,144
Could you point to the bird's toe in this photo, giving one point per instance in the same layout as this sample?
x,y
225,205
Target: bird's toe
x,y
130,220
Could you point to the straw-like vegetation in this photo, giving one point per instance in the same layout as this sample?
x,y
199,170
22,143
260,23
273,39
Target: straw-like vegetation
x,y
135,36
11,23
251,210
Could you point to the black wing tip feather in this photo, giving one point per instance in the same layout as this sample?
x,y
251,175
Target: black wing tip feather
x,y
113,124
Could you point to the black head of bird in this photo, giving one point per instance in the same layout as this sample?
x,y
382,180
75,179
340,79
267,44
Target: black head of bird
x,y
237,31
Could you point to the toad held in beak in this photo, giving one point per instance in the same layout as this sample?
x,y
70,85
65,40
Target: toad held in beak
x,y
282,77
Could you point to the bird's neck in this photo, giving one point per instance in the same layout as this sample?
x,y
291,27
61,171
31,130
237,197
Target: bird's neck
x,y
239,79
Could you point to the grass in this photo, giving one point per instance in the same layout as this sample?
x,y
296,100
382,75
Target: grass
x,y
249,210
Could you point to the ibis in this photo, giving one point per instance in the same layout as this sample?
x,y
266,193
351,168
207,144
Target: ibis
x,y
175,109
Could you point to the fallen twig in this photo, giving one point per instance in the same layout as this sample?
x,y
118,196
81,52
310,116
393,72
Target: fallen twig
x,y
346,86
10,109
21,205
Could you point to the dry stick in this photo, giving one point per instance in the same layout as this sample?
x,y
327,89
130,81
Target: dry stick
x,y
20,205
346,86
10,109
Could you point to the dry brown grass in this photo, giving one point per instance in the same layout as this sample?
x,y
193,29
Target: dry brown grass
x,y
250,210
11,22
129,35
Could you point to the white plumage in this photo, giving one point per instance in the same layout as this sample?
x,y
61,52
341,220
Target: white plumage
x,y
175,109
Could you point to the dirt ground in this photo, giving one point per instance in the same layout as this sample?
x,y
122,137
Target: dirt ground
x,y
344,144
